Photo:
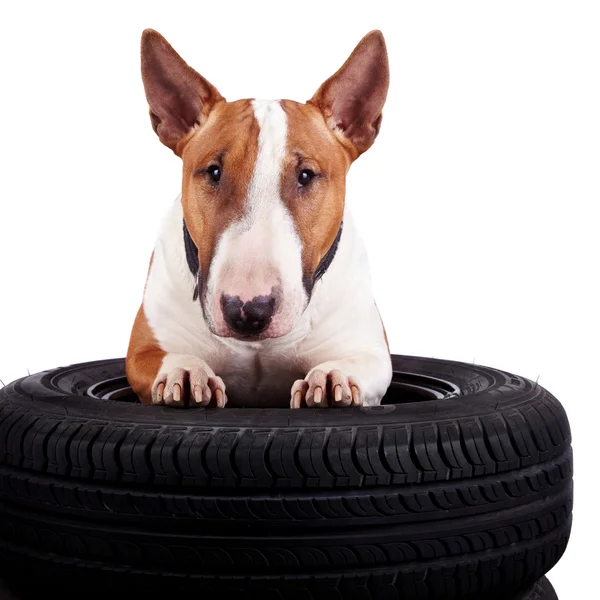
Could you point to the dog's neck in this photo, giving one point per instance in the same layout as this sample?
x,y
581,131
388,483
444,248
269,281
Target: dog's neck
x,y
325,261
191,255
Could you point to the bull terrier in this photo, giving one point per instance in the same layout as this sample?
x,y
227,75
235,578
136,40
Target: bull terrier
x,y
258,291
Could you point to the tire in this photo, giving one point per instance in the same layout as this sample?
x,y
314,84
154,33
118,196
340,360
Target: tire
x,y
541,590
458,487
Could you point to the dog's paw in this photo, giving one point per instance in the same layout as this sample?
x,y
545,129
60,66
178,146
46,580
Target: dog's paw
x,y
193,386
321,389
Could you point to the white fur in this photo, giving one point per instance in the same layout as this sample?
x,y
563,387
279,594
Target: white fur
x,y
339,329
261,250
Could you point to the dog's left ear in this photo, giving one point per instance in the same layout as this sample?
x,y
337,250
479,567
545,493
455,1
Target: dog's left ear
x,y
352,99
179,98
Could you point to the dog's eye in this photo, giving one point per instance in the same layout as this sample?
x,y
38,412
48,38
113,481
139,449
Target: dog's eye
x,y
305,177
215,173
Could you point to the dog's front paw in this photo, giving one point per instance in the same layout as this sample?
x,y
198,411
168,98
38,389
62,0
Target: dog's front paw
x,y
321,389
188,385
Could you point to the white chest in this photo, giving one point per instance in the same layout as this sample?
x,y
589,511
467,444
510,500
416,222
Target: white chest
x,y
260,376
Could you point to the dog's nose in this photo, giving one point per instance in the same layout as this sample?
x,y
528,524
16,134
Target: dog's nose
x,y
248,317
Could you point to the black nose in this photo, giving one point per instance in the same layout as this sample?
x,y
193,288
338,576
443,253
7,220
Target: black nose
x,y
249,317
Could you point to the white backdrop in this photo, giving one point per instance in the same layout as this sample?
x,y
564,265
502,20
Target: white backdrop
x,y
478,201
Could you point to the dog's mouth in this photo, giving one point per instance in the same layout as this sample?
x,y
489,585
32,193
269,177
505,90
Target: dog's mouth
x,y
256,337
271,331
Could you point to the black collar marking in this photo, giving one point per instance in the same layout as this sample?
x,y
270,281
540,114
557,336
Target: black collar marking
x,y
191,255
325,263
328,258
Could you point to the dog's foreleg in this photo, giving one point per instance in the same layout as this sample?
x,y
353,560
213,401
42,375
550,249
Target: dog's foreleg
x,y
160,377
353,381
186,380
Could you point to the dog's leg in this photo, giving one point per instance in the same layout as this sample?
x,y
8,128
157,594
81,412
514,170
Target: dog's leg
x,y
357,381
185,380
158,377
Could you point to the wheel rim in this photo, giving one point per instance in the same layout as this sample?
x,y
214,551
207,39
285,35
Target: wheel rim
x,y
405,388
412,387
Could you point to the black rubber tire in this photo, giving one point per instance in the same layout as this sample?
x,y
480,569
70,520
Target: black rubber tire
x,y
465,497
541,590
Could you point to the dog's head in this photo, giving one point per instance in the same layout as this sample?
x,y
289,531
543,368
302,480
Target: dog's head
x,y
263,181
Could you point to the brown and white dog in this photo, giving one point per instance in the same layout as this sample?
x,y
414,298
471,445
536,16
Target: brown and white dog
x,y
259,283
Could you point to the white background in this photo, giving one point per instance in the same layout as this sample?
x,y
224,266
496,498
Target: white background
x,y
478,201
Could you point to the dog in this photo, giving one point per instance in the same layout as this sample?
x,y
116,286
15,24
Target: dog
x,y
258,291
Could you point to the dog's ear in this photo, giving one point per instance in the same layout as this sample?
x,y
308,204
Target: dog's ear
x,y
179,97
352,99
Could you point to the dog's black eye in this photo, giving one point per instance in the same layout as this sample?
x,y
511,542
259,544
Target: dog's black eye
x,y
305,177
215,173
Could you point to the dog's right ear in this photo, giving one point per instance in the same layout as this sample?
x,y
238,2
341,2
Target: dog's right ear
x,y
179,97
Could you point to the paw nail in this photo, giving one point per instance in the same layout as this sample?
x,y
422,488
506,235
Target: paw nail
x,y
318,395
338,393
297,399
176,393
197,394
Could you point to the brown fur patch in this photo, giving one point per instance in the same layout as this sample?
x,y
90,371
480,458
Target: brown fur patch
x,y
317,208
229,139
144,355
144,358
